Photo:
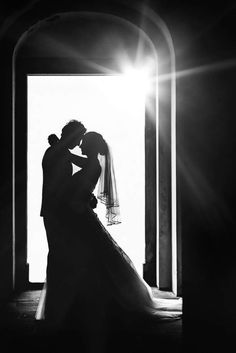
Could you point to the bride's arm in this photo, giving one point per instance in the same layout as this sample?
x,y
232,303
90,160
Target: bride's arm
x,y
78,160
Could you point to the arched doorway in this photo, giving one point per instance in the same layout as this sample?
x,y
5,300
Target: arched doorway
x,y
96,55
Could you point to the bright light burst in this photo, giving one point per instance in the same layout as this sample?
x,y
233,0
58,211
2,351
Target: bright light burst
x,y
137,79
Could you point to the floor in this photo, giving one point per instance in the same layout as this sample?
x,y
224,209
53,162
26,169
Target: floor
x,y
21,332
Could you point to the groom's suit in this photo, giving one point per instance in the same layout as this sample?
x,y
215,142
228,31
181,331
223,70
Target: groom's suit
x,y
57,170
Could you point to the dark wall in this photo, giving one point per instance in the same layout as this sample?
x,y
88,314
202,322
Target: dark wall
x,y
6,181
206,148
203,38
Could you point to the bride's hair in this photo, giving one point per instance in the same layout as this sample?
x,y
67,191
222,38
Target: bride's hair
x,y
97,142
106,192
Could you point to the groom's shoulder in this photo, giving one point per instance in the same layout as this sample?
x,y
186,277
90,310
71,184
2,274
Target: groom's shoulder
x,y
49,153
55,153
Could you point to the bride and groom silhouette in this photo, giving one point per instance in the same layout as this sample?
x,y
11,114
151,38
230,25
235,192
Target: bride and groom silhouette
x,y
91,283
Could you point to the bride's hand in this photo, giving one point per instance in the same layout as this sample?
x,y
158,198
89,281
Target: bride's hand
x,y
93,201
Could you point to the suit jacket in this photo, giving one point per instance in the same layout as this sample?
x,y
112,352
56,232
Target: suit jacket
x,y
57,171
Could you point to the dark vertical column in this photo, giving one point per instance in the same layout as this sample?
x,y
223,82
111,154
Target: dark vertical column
x,y
6,260
21,267
179,241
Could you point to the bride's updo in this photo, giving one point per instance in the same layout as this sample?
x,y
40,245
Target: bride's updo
x,y
96,142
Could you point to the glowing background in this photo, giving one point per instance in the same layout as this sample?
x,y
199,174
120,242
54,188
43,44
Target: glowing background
x,y
111,105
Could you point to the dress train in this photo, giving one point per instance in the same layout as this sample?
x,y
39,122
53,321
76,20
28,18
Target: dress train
x,y
105,279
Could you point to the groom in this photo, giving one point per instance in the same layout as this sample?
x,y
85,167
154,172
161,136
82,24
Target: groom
x,y
57,168
57,172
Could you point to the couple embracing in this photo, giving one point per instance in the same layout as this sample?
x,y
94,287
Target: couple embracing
x,y
91,283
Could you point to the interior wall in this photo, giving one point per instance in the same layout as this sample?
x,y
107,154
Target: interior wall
x,y
206,146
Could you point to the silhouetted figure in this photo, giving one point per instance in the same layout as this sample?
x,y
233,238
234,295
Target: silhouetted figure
x,y
99,289
57,172
77,160
57,167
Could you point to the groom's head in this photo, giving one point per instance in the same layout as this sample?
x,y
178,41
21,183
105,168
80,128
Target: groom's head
x,y
72,133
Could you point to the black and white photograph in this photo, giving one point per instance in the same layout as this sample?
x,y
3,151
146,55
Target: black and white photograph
x,y
118,182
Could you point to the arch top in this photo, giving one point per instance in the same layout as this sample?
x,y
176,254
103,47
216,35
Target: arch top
x,y
83,35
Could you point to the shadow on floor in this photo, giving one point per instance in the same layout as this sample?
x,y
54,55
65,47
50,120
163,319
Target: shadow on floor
x,y
21,332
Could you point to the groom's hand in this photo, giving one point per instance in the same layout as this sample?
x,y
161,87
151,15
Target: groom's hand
x,y
93,201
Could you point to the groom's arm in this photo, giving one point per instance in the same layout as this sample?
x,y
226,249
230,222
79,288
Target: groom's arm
x,y
78,160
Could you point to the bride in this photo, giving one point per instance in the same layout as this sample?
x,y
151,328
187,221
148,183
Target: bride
x,y
95,284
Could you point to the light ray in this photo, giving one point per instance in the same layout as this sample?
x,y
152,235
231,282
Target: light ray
x,y
203,192
76,54
222,65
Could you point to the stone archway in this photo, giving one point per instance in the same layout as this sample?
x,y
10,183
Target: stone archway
x,y
163,271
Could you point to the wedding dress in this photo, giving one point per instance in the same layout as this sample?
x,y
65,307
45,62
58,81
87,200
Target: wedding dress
x,y
92,281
